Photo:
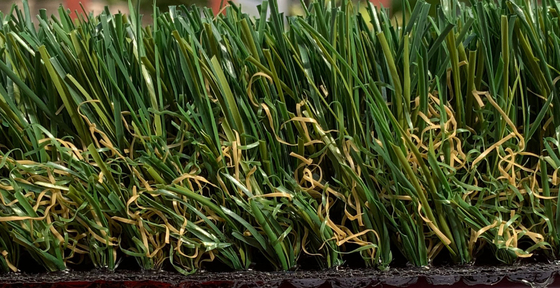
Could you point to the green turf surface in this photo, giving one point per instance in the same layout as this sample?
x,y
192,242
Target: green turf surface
x,y
273,142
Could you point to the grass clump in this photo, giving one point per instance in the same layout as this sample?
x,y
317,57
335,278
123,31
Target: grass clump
x,y
278,141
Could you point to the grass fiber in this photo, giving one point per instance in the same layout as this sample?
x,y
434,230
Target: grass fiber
x,y
274,141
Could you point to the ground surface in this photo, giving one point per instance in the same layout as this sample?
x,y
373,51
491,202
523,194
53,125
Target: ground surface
x,y
536,275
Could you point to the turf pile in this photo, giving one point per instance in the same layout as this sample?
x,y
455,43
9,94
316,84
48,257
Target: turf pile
x,y
281,141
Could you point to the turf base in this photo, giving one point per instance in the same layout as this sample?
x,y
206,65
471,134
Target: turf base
x,y
534,275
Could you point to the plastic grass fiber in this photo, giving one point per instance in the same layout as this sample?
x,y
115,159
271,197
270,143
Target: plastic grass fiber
x,y
273,142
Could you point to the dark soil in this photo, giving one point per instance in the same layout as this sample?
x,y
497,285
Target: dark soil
x,y
535,275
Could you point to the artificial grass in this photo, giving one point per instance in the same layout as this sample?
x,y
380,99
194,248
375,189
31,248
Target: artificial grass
x,y
252,142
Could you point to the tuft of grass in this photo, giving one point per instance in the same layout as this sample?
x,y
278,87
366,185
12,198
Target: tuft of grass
x,y
273,141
